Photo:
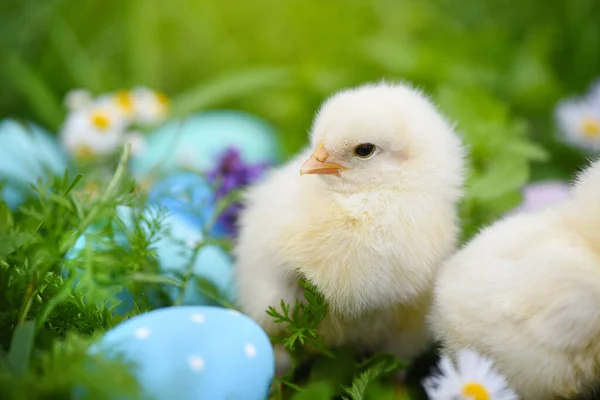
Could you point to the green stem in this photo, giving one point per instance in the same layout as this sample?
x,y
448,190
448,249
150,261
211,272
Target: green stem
x,y
189,272
27,299
112,187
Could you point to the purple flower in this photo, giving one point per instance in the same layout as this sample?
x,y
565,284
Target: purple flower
x,y
539,195
230,174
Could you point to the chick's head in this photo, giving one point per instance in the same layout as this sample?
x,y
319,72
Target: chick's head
x,y
384,136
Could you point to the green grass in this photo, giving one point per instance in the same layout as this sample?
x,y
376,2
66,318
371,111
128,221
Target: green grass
x,y
496,69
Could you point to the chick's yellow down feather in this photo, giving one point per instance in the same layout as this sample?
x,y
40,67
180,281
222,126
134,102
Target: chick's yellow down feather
x,y
526,292
366,214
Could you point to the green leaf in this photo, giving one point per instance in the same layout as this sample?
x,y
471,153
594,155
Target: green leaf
x,y
528,150
74,183
380,365
12,242
337,371
227,87
382,391
502,176
4,364
315,391
21,346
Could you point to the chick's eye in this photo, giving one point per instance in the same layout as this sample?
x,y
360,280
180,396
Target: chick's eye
x,y
364,150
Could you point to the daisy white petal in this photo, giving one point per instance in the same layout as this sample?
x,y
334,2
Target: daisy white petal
x,y
150,107
472,379
120,105
94,130
77,99
579,121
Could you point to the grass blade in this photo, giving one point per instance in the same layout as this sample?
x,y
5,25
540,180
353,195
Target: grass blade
x,y
32,87
20,347
227,87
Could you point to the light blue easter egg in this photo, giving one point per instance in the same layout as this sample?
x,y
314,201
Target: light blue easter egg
x,y
194,352
186,195
200,139
26,153
175,249
125,214
91,238
12,195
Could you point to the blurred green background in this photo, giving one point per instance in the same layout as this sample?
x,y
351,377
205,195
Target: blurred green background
x,y
496,68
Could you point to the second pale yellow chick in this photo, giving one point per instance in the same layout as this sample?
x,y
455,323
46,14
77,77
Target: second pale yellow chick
x,y
526,293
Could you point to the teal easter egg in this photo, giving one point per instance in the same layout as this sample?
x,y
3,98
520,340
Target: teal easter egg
x,y
27,153
199,140
194,352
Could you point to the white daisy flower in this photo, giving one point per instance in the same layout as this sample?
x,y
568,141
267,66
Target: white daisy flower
x,y
579,120
94,130
150,107
121,102
473,378
77,99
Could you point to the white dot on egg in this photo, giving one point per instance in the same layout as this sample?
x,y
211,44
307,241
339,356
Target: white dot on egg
x,y
250,350
197,318
196,363
142,333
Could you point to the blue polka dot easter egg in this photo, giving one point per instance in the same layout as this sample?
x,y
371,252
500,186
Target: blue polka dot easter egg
x,y
194,353
196,142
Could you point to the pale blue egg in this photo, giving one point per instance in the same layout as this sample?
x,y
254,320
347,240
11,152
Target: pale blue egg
x,y
13,195
194,352
90,238
189,202
199,140
175,249
26,153
186,195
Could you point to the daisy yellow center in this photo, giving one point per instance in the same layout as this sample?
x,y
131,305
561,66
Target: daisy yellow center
x,y
476,391
100,120
90,190
590,128
124,101
163,100
84,152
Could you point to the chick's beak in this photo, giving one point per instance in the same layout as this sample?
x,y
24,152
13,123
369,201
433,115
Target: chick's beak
x,y
317,164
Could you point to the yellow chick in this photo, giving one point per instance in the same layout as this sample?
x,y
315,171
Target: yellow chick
x,y
366,214
526,292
